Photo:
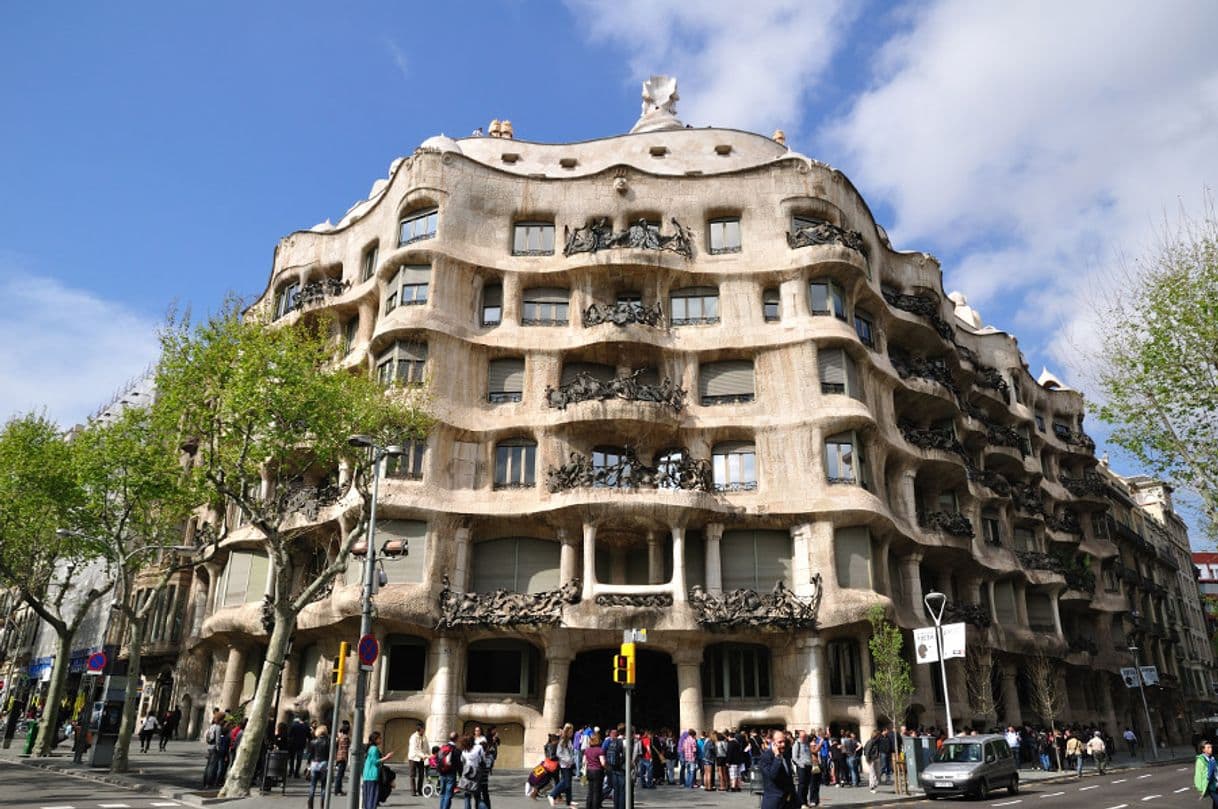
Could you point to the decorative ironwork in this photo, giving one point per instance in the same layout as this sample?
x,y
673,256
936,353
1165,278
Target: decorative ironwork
x,y
1081,579
1028,498
624,313
991,480
598,235
1041,561
1074,437
989,377
779,609
1067,523
973,614
951,522
585,387
923,306
653,601
1090,484
932,439
1000,435
820,232
317,291
936,370
630,473
503,607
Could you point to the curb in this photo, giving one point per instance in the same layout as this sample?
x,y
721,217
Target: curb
x,y
175,793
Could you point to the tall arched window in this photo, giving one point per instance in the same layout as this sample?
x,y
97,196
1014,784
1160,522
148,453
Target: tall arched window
x,y
515,463
734,465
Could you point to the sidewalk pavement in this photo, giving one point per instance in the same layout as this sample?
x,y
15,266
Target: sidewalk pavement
x,y
177,774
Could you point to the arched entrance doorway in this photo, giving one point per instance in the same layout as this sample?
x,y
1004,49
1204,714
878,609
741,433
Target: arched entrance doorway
x,y
593,697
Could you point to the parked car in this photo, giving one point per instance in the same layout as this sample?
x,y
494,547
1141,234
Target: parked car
x,y
970,765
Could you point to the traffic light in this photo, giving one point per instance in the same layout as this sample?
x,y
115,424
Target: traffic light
x,y
340,664
623,665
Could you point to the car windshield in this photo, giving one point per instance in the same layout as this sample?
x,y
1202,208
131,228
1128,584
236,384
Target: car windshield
x,y
959,752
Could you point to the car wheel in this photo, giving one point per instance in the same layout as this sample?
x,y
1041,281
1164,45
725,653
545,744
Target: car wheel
x,y
1014,787
983,790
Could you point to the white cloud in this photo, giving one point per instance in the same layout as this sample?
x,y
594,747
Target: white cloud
x,y
744,67
399,57
1030,144
65,350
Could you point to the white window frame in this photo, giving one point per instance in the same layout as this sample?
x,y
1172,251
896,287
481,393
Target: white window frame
x,y
519,464
731,464
533,238
724,235
418,225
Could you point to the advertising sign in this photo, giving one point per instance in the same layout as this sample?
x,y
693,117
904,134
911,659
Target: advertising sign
x,y
1150,675
1130,675
924,644
953,640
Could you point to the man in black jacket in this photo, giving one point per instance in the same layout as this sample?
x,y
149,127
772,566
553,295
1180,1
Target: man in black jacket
x,y
779,790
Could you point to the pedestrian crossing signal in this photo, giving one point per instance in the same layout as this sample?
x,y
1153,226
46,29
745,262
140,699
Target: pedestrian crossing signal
x,y
623,665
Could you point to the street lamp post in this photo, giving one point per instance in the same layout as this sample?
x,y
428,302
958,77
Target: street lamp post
x,y
378,454
1150,730
931,600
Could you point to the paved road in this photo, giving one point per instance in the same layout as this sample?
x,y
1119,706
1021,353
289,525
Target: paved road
x,y
25,788
1167,787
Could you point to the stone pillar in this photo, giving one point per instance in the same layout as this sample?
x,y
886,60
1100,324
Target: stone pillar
x,y
882,583
589,561
678,565
989,586
911,578
511,299
1057,614
818,709
714,565
909,496
568,560
943,582
1021,605
867,721
462,564
617,565
214,571
801,567
689,688
655,559
1010,695
558,666
446,665
234,677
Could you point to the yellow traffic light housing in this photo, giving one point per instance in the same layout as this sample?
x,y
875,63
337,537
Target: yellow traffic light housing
x,y
624,665
340,664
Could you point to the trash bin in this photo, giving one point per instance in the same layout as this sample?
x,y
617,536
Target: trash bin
x,y
276,770
30,736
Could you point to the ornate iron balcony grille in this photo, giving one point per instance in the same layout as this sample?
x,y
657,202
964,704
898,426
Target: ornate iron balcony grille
x,y
988,377
1037,560
1074,437
1028,498
585,387
727,398
420,238
543,321
737,486
317,291
694,321
503,607
513,484
624,313
932,439
951,522
1089,484
973,614
923,306
780,609
1000,435
504,397
821,232
629,473
598,235
1067,523
935,370
719,251
991,480
830,388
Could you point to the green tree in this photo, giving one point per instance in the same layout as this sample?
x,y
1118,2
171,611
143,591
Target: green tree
x,y
266,415
136,498
892,685
1157,368
40,557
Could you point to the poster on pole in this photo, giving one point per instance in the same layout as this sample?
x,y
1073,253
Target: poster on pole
x,y
953,640
1150,675
924,644
1130,675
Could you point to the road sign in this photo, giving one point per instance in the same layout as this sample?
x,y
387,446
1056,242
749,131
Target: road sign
x,y
1130,675
1150,675
634,636
369,650
97,662
924,644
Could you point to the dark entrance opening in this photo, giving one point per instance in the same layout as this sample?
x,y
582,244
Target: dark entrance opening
x,y
593,697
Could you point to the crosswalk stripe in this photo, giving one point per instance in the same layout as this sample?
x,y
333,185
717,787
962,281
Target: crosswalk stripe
x,y
1119,806
1151,797
1052,794
1120,780
166,803
1147,775
64,806
114,805
1182,789
1093,786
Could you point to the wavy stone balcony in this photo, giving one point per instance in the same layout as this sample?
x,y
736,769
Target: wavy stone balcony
x,y
923,306
1089,485
949,522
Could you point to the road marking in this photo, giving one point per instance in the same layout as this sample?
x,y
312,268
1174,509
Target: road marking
x,y
166,803
1119,806
1151,797
1120,780
1093,786
1052,794
1008,803
1182,789
65,806
114,805
1181,769
1145,776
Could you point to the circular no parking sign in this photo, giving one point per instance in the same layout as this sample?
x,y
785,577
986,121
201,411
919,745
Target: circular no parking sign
x,y
368,650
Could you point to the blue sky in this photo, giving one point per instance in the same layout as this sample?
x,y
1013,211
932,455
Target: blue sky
x,y
153,153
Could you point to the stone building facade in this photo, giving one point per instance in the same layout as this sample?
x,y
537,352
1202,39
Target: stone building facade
x,y
683,382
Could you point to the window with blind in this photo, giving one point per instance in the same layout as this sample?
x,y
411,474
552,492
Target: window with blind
x,y
517,564
695,559
724,235
394,535
1040,612
609,465
725,382
492,305
408,287
838,374
1004,602
852,557
409,464
1025,539
693,306
755,560
505,380
546,306
533,239
845,671
736,671
369,261
771,305
991,527
350,334
734,466
418,225
827,298
845,461
404,364
864,327
599,372
515,464
245,578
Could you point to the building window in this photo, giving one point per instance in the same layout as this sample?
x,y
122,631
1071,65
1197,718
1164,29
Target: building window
x,y
546,306
736,671
838,374
350,334
418,226
609,467
864,327
515,464
369,261
668,468
245,578
845,461
734,466
409,464
845,673
287,299
827,298
404,364
509,667
852,557
505,380
408,287
771,306
1025,539
517,564
533,239
407,659
693,306
1040,613
991,528
394,537
726,382
492,304
724,235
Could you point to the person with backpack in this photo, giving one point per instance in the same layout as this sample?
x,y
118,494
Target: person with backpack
x,y
615,764
594,769
1205,774
448,765
475,774
871,754
371,777
319,762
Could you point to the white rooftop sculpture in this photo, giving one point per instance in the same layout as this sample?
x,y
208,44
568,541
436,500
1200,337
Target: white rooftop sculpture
x,y
659,106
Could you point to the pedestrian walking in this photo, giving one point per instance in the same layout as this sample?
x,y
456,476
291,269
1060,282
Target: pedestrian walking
x,y
80,741
1205,777
475,774
148,727
594,769
373,759
1131,742
342,755
319,762
564,751
1097,751
416,753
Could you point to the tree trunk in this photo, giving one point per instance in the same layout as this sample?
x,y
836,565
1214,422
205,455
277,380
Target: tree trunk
x,y
48,728
135,649
241,774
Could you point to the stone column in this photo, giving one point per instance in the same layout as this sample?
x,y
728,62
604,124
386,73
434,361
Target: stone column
x,y
568,560
511,299
911,578
446,665
1010,695
214,571
989,585
617,565
867,721
801,567
1057,614
944,584
462,564
818,709
234,677
1021,605
689,688
558,666
882,583
678,565
589,561
714,565
655,559
909,496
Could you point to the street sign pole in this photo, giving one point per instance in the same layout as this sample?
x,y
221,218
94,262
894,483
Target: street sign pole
x,y
328,784
629,742
1150,729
